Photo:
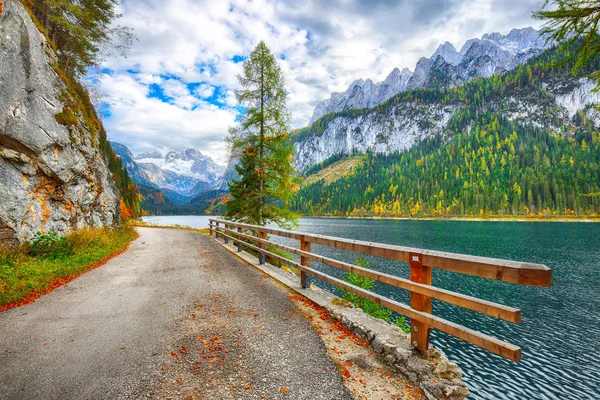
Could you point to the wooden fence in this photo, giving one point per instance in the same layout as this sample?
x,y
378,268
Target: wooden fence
x,y
422,292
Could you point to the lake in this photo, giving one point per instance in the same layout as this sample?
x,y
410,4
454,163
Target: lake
x,y
560,329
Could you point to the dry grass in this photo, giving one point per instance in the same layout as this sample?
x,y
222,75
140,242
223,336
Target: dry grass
x,y
335,171
35,268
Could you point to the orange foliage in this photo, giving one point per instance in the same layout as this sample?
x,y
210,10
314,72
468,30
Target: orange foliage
x,y
126,211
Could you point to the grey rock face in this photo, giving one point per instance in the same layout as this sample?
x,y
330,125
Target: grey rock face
x,y
448,53
395,128
400,126
362,94
493,53
51,178
229,175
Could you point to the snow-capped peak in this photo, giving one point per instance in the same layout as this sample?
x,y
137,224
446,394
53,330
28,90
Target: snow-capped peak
x,y
491,54
189,162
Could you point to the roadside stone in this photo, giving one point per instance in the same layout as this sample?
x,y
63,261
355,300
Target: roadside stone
x,y
359,331
370,336
448,370
402,355
419,366
377,345
389,359
456,392
389,348
432,390
411,376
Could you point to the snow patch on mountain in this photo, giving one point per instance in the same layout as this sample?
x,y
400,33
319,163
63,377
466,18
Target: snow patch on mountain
x,y
493,53
404,124
189,163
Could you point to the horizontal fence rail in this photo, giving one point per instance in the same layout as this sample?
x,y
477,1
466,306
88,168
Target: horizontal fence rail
x,y
421,291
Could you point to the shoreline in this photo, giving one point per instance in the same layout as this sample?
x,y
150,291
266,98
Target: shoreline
x,y
463,219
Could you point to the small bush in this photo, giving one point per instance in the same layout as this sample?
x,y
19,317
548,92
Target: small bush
x,y
50,246
66,117
362,282
277,262
47,261
402,323
368,306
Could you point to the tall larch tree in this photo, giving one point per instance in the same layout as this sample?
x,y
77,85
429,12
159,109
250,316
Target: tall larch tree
x,y
261,142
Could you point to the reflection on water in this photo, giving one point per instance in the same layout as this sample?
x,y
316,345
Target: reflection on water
x,y
560,330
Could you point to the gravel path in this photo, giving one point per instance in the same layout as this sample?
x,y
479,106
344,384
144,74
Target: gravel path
x,y
175,316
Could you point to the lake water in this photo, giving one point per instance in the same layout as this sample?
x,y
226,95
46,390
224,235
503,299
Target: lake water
x,y
560,329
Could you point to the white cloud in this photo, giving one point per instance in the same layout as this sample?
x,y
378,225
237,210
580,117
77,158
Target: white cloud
x,y
323,46
144,123
205,90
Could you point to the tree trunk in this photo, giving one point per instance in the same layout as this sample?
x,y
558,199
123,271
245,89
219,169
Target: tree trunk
x,y
261,143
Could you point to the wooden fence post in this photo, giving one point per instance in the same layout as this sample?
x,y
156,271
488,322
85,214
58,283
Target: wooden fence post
x,y
261,256
225,236
239,229
419,332
216,229
210,228
304,261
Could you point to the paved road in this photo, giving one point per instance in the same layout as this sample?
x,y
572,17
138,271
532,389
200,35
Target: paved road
x,y
175,316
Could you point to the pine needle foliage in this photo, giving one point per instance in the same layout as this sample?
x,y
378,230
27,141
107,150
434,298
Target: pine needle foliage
x,y
261,142
81,31
569,21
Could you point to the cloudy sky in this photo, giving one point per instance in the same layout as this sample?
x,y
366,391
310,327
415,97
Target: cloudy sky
x,y
175,88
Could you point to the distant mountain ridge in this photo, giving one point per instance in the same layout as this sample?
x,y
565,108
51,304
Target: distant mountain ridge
x,y
188,162
179,175
478,58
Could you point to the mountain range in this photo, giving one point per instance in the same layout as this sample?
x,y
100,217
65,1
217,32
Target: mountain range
x,y
403,120
522,143
492,54
509,79
180,176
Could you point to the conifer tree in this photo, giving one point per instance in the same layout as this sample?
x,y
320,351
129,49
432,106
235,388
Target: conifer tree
x,y
267,177
82,31
570,20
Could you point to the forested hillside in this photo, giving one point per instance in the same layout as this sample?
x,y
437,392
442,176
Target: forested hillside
x,y
498,168
482,163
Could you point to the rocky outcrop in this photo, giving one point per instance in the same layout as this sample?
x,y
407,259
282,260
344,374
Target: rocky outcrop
x,y
492,54
399,126
52,177
361,94
395,128
437,377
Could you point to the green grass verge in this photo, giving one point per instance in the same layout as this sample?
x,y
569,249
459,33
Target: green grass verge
x,y
37,267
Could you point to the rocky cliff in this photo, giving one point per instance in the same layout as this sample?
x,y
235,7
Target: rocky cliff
x,y
52,174
398,126
478,58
